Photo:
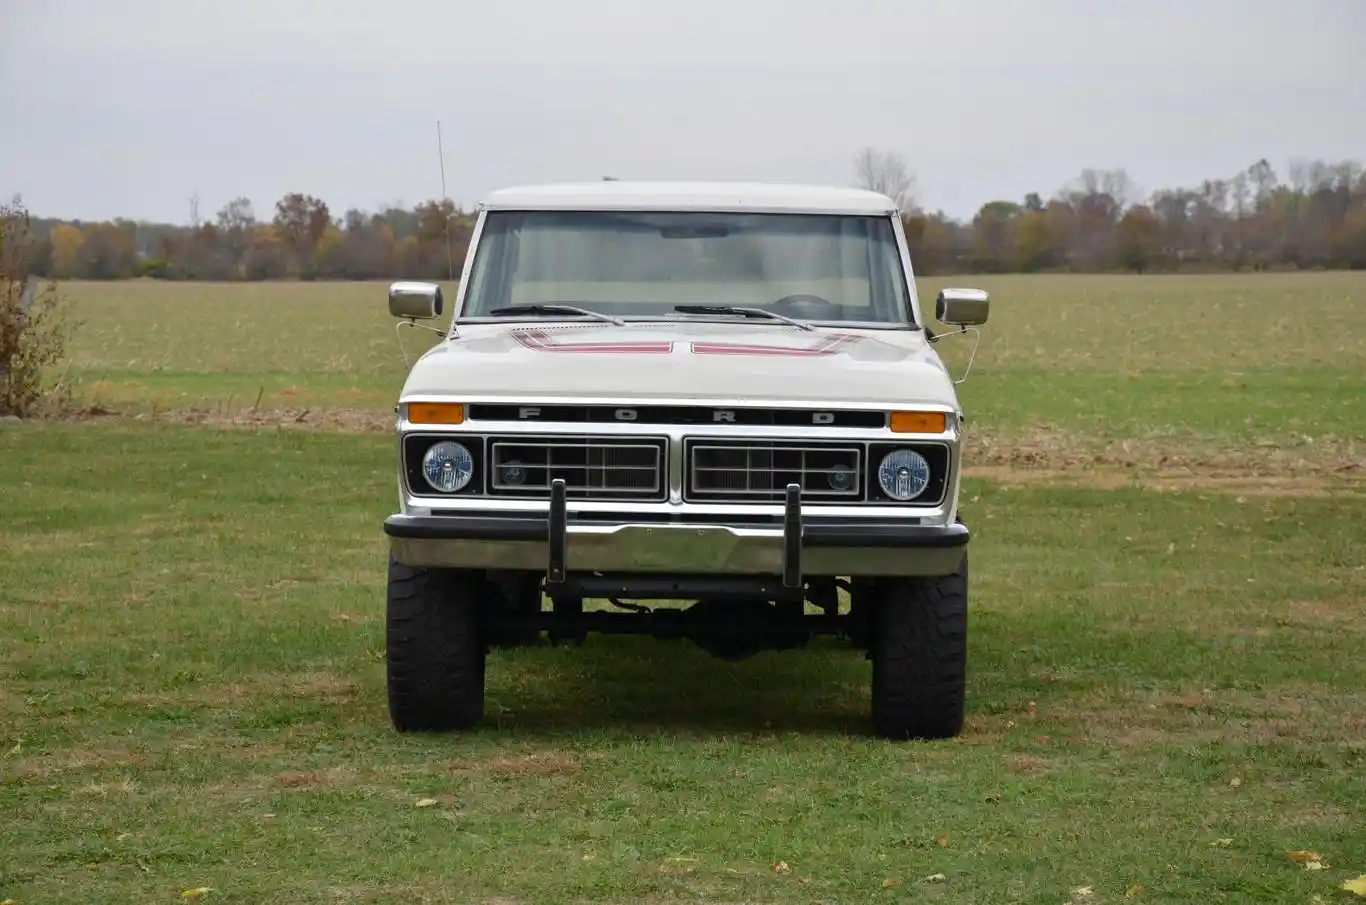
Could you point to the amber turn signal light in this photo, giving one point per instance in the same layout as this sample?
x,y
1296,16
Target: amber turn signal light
x,y
919,422
436,412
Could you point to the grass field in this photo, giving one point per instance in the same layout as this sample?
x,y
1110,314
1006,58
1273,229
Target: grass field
x,y
1167,694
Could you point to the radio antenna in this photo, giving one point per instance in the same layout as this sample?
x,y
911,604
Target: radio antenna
x,y
441,161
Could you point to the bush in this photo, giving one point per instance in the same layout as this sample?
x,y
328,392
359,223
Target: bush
x,y
154,268
33,323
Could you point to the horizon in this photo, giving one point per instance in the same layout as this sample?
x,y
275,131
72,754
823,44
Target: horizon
x,y
1139,194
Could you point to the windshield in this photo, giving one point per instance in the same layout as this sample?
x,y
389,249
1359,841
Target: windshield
x,y
818,267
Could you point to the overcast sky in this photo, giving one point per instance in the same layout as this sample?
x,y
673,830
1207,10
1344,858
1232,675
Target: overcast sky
x,y
128,108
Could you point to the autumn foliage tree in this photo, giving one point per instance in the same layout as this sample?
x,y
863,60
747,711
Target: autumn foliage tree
x,y
1254,220
1099,223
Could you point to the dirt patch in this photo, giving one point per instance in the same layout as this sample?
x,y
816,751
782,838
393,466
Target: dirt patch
x,y
1022,476
408,893
1299,713
1337,611
46,766
1244,620
1324,815
543,763
11,703
341,419
52,543
1307,715
311,779
1026,764
1210,480
1051,449
321,687
121,789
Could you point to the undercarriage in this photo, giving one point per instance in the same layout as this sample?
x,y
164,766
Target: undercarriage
x,y
730,618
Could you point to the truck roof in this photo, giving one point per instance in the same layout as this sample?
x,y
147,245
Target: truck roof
x,y
691,196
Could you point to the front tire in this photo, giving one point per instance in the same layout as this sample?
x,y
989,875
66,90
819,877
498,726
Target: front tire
x,y
919,649
436,650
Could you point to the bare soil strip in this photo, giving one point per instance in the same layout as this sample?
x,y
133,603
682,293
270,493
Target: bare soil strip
x,y
1328,466
1192,478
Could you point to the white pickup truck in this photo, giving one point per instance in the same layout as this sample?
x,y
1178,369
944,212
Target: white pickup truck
x,y
719,398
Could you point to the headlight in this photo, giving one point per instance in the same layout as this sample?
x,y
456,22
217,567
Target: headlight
x,y
447,466
903,474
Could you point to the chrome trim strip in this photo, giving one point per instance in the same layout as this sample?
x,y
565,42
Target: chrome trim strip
x,y
726,512
908,273
710,432
462,289
676,468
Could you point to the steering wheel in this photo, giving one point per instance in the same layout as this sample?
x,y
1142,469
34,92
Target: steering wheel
x,y
808,306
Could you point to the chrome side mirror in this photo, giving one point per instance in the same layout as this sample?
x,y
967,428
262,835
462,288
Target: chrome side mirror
x,y
416,300
962,307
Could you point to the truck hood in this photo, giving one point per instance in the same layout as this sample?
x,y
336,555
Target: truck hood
x,y
770,362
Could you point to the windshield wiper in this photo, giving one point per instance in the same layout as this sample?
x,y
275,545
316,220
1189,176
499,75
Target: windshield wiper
x,y
744,312
557,309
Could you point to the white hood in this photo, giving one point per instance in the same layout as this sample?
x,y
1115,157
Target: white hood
x,y
758,362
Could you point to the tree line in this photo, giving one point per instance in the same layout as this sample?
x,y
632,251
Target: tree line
x,y
1313,218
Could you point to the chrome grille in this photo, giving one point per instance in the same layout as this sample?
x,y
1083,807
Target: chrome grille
x,y
595,468
760,470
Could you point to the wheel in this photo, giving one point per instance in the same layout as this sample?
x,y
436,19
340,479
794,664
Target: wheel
x,y
919,649
436,650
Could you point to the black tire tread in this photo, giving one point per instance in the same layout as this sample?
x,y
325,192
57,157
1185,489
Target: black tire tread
x,y
919,654
435,653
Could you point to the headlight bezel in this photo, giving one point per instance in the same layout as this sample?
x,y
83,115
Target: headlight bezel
x,y
937,455
452,451
413,450
917,472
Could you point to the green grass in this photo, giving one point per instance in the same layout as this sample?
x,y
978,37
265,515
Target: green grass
x,y
145,345
183,664
192,689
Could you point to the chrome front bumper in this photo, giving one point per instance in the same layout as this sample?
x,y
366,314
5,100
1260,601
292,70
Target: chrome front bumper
x,y
554,544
